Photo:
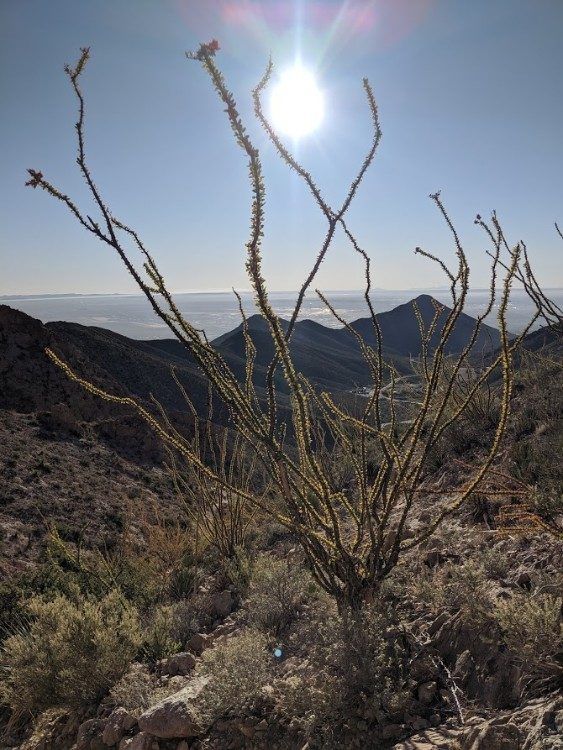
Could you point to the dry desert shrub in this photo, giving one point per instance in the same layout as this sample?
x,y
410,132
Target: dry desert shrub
x,y
69,654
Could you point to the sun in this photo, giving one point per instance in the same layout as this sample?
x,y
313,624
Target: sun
x,y
297,103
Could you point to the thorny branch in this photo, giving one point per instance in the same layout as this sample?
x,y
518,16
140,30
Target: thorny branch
x,y
354,532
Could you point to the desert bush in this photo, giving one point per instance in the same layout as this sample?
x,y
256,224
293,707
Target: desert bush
x,y
537,433
69,654
496,561
277,589
356,668
236,672
220,513
151,560
531,628
455,587
135,690
190,616
158,637
237,569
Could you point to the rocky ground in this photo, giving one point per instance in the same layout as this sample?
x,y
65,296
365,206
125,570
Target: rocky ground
x,y
248,653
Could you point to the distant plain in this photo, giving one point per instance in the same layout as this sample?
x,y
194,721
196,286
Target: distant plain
x,y
217,312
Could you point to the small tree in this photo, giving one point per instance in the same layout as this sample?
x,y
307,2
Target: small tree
x,y
352,537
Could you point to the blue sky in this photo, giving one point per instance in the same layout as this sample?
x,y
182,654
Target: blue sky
x,y
471,102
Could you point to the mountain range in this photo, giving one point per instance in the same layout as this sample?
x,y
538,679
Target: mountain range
x,y
329,357
105,452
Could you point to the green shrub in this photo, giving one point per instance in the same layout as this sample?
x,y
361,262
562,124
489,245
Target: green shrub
x,y
237,671
531,627
496,561
135,690
455,587
355,668
277,590
237,569
69,654
190,616
158,638
12,610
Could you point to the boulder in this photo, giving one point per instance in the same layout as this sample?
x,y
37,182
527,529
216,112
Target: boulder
x,y
534,726
178,664
118,722
199,642
140,741
430,740
174,716
89,736
492,737
426,692
222,603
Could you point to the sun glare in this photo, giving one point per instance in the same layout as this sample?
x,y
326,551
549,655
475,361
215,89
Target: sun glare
x,y
297,103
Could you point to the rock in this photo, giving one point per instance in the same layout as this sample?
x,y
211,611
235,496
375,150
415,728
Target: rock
x,y
183,745
118,722
262,726
246,728
464,667
222,603
492,737
434,558
430,740
198,643
533,726
524,580
226,628
140,741
492,676
442,618
530,727
419,724
391,731
89,736
174,717
178,664
426,692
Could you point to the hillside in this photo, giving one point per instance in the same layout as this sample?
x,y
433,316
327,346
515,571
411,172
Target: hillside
x,y
53,428
469,660
330,356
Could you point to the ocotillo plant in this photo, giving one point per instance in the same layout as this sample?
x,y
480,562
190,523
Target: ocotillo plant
x,y
352,536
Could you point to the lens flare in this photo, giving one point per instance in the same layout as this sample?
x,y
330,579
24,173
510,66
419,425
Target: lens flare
x,y
297,103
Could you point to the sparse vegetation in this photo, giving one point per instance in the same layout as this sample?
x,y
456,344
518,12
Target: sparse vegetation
x,y
357,673
236,674
277,589
135,690
531,628
158,638
69,654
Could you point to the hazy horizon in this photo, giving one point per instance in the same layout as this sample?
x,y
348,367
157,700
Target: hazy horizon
x,y
217,312
46,295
